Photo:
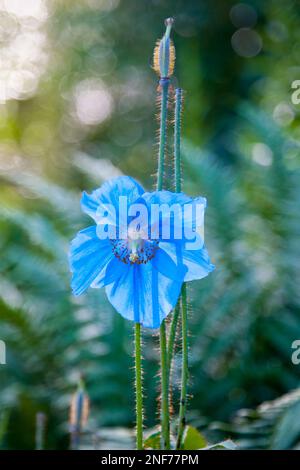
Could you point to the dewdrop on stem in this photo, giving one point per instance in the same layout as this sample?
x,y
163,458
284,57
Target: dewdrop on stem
x,y
164,53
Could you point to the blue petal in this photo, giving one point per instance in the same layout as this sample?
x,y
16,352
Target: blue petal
x,y
109,194
144,295
114,271
89,257
171,268
186,222
197,262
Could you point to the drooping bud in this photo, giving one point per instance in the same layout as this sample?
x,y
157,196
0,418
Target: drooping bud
x,y
164,53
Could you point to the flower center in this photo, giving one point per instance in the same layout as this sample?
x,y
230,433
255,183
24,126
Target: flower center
x,y
135,249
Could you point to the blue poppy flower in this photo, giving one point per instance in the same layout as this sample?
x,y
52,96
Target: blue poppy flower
x,y
141,262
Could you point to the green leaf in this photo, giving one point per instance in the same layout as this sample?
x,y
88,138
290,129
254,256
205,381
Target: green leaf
x,y
193,439
224,445
153,441
287,430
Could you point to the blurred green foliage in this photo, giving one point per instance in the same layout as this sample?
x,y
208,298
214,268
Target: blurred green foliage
x,y
272,425
77,107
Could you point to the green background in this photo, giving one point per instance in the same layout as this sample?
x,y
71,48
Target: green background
x,y
77,106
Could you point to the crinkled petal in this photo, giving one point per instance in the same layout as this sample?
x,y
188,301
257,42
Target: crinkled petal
x,y
89,257
197,262
144,295
109,193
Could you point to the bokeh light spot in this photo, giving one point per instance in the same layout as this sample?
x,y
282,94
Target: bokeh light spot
x,y
26,8
93,102
262,154
283,114
246,42
243,15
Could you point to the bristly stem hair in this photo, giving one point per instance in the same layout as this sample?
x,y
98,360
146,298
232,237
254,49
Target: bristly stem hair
x,y
172,336
165,415
184,370
165,418
164,58
178,176
182,304
177,139
164,87
138,386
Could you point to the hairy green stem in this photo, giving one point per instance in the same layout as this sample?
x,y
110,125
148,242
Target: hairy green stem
x,y
172,337
138,386
184,370
164,83
177,134
183,303
165,418
178,175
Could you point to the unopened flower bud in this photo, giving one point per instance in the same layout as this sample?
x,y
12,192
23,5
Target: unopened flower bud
x,y
79,409
164,53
